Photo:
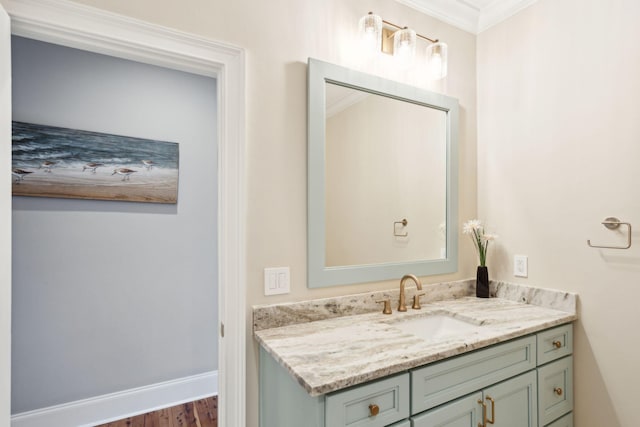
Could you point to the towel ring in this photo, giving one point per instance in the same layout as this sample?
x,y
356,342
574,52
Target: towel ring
x,y
613,223
404,223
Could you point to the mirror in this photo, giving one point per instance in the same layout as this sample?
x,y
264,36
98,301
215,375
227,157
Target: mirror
x,y
382,178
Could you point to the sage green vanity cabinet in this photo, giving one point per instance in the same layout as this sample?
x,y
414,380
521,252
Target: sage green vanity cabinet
x,y
525,382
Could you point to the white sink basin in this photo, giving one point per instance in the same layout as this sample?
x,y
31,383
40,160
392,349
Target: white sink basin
x,y
436,327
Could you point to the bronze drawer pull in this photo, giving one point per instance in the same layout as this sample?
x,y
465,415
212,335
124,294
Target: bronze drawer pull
x,y
558,391
557,344
493,410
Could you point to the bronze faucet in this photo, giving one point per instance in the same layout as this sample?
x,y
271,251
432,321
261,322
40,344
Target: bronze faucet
x,y
402,306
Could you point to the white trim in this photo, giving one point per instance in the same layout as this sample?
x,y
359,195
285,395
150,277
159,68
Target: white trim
x,y
464,15
5,218
71,24
456,13
499,11
123,404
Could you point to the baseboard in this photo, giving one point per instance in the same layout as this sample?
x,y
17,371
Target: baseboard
x,y
115,406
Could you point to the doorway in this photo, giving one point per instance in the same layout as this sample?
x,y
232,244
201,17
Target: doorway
x,y
74,25
111,296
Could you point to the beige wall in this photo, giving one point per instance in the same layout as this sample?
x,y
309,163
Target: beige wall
x,y
278,37
558,150
379,172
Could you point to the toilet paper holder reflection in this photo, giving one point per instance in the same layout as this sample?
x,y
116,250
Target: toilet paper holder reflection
x,y
612,223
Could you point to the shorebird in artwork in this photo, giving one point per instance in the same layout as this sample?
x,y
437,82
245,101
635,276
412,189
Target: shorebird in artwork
x,y
148,164
20,174
126,173
47,166
92,166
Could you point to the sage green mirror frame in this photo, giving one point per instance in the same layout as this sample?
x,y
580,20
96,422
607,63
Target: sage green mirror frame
x,y
319,275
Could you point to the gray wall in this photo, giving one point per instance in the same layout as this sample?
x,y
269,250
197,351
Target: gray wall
x,y
109,296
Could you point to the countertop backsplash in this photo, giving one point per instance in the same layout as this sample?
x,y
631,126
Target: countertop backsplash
x,y
284,314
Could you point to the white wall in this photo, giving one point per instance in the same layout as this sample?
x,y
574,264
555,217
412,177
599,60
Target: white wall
x,y
109,296
279,37
558,150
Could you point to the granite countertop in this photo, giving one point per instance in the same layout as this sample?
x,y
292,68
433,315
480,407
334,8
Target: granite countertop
x,y
335,351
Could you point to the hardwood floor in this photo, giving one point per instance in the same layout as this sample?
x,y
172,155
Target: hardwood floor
x,y
201,413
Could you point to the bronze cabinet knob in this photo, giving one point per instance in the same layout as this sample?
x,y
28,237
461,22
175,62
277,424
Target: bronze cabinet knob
x,y
557,344
558,391
374,410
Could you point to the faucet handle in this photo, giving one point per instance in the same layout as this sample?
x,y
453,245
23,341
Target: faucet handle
x,y
387,306
416,301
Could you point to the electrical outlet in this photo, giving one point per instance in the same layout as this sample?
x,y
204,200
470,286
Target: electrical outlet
x,y
277,281
520,266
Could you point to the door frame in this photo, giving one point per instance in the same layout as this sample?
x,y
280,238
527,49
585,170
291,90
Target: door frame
x,y
74,25
5,220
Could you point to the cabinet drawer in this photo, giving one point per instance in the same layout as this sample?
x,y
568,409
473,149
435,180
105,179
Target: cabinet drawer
x,y
555,343
444,381
351,407
566,421
555,390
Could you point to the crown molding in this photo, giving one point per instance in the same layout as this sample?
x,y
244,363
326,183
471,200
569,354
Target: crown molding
x,y
452,12
500,10
465,15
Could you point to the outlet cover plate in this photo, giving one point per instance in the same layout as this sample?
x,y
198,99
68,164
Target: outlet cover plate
x,y
520,266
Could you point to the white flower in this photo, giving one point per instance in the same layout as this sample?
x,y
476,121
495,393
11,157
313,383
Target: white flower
x,y
480,239
471,225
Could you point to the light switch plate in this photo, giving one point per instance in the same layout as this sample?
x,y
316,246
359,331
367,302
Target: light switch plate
x,y
520,266
277,281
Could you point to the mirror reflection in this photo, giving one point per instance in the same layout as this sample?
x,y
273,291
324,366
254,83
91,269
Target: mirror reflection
x,y
385,179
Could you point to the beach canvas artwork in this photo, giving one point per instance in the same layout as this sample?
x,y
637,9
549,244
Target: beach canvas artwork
x,y
51,161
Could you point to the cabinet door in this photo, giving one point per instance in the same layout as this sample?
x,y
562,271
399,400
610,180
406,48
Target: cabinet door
x,y
464,412
513,403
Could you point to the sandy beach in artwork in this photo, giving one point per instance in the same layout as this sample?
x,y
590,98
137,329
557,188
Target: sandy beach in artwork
x,y
157,185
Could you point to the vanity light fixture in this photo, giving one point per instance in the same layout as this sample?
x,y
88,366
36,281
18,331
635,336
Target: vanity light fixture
x,y
383,36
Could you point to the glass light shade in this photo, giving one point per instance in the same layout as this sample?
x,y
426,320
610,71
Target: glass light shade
x,y
370,29
404,46
437,60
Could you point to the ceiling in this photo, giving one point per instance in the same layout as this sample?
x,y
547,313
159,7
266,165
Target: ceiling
x,y
473,16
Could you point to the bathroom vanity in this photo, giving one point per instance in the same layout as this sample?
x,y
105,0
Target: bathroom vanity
x,y
476,362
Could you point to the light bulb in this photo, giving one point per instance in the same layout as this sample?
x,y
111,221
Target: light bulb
x,y
404,46
437,60
370,29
